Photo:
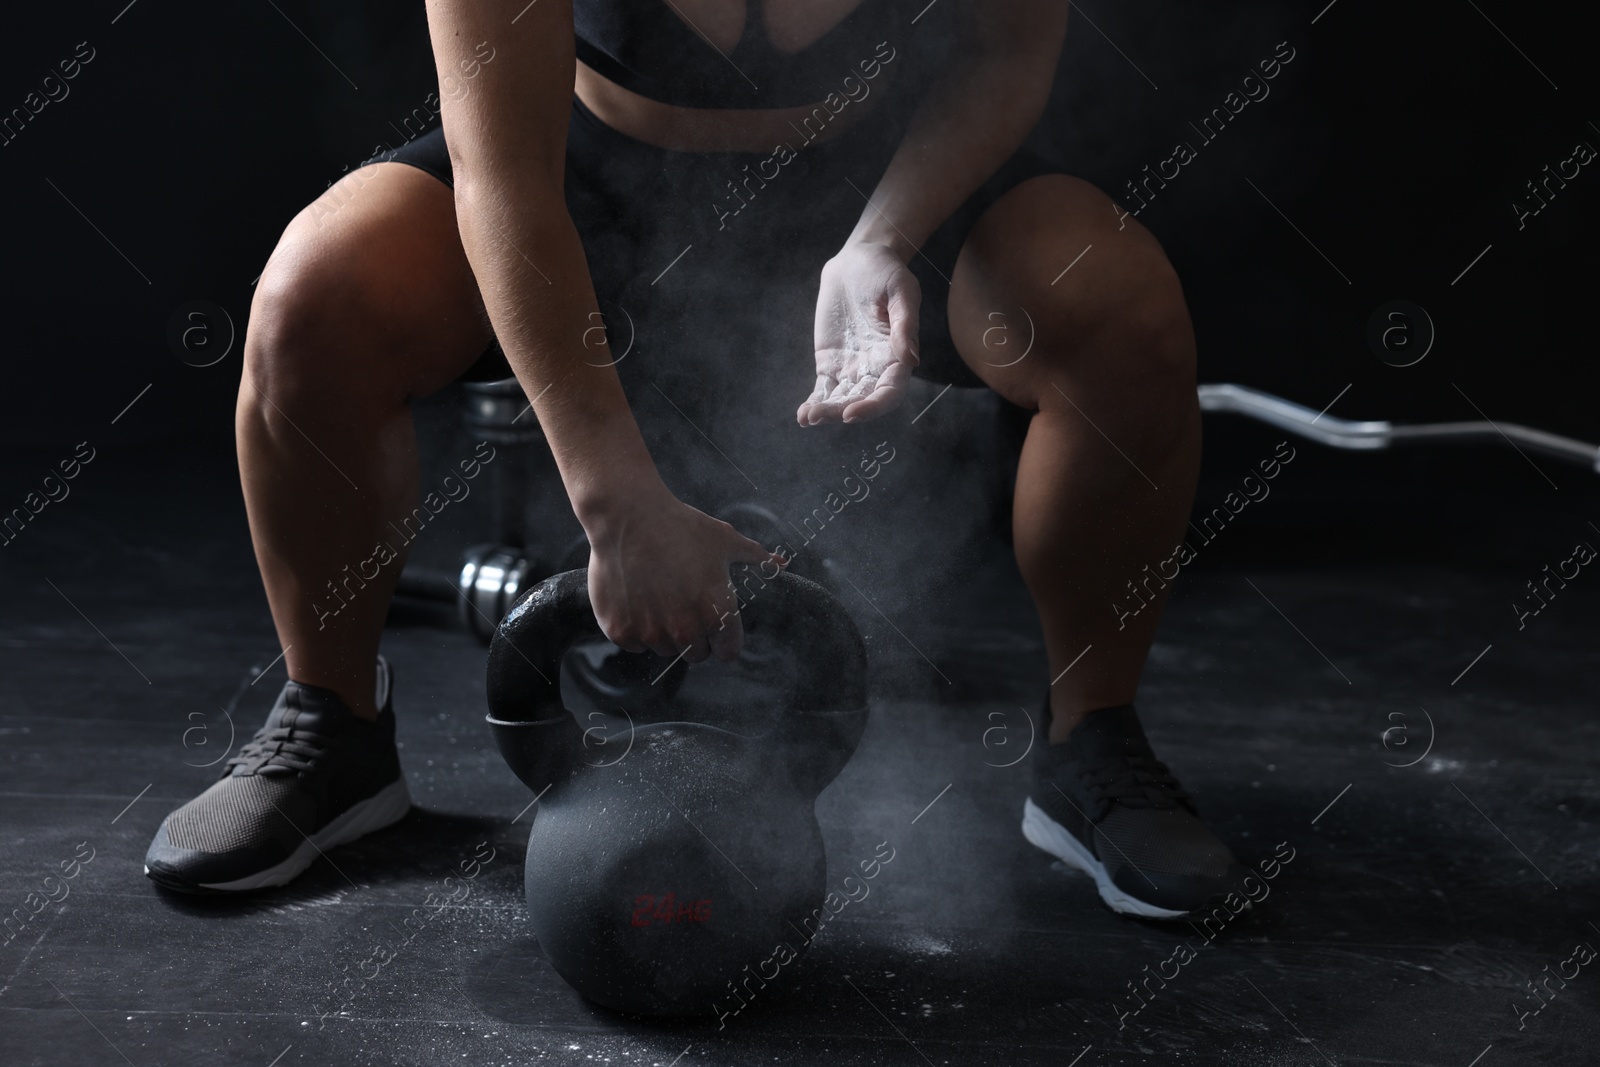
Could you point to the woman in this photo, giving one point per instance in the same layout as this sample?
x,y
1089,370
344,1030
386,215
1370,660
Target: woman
x,y
565,125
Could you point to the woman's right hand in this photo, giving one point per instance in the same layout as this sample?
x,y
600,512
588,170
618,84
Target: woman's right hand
x,y
658,577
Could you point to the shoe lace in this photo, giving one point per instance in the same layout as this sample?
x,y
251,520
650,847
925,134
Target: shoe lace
x,y
1136,781
279,746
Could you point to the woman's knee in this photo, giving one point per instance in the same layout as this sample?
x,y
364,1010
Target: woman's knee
x,y
312,334
367,298
1102,305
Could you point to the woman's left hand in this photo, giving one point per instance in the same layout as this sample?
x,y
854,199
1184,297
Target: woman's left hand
x,y
866,335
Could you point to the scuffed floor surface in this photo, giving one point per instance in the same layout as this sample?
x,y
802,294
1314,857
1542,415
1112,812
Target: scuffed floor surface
x,y
1419,904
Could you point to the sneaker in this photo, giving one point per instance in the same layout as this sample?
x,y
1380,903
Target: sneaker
x,y
1104,804
315,776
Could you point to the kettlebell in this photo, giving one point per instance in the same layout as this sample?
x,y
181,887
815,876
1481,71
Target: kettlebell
x,y
658,882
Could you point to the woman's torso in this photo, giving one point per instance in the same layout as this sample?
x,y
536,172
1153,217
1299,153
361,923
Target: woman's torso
x,y
734,75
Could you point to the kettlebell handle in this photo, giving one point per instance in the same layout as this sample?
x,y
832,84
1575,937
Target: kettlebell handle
x,y
539,738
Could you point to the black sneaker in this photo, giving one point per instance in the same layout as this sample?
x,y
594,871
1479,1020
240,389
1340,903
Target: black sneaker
x,y
313,777
1104,804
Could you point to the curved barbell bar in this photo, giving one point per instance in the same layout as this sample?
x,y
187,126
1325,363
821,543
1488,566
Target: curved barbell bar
x,y
1375,434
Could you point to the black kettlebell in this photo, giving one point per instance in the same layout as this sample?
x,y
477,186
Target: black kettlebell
x,y
659,881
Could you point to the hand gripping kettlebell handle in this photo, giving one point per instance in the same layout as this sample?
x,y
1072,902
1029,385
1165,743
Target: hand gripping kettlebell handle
x,y
541,742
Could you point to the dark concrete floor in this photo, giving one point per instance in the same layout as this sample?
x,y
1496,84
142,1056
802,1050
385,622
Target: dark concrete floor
x,y
1419,903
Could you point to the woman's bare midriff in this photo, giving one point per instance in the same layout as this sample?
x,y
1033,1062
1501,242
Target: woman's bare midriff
x,y
694,129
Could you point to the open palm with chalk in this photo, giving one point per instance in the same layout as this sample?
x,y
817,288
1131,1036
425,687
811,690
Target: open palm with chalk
x,y
866,336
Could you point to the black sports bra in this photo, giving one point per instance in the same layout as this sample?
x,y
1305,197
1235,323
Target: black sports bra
x,y
646,47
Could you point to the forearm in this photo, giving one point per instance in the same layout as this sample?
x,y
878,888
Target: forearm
x,y
968,125
536,287
507,139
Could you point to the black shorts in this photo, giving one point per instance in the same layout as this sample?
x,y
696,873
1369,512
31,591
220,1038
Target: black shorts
x,y
637,206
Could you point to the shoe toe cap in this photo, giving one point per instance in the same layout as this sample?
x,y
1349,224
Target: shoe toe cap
x,y
1188,893
196,871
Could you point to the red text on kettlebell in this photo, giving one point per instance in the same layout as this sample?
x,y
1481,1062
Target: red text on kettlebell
x,y
649,909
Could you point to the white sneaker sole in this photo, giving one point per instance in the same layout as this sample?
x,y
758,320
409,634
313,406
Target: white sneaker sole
x,y
384,808
1044,832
